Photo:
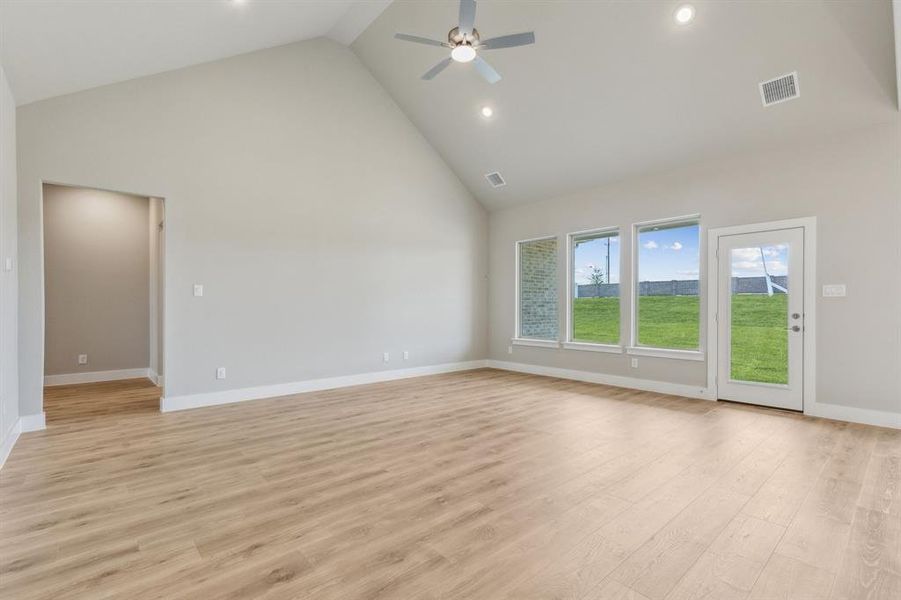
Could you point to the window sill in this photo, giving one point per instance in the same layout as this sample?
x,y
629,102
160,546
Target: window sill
x,y
535,343
666,353
590,347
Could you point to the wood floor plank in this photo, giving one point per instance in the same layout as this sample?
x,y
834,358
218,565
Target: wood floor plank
x,y
474,485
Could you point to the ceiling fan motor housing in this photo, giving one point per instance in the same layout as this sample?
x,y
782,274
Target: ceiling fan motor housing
x,y
455,38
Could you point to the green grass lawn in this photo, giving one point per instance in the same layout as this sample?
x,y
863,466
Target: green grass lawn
x,y
759,340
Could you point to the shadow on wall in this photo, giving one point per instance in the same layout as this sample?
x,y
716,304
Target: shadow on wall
x,y
102,282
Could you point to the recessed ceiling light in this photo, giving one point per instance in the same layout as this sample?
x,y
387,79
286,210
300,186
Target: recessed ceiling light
x,y
487,112
463,53
684,14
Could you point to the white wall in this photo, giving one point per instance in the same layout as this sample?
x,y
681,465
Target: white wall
x,y
851,183
9,366
323,226
96,280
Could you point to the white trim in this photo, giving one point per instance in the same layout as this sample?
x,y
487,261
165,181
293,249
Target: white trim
x,y
169,404
591,347
95,376
36,422
896,10
633,292
570,281
534,342
155,377
867,416
809,225
9,441
648,385
517,282
665,353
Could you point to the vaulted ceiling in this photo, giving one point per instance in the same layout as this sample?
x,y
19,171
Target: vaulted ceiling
x,y
54,47
609,90
614,89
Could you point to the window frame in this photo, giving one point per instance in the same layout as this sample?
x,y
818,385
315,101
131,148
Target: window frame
x,y
634,348
569,343
517,340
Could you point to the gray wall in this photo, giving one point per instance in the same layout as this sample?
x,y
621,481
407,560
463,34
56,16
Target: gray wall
x,y
96,280
680,287
9,365
288,174
851,183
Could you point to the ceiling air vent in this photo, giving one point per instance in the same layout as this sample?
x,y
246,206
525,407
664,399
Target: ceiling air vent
x,y
780,89
495,179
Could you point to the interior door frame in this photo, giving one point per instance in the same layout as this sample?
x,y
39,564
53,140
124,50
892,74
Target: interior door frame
x,y
809,227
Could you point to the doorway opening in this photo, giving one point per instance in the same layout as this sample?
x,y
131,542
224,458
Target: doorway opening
x,y
762,331
103,302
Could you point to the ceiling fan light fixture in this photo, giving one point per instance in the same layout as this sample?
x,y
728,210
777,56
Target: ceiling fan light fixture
x,y
684,14
463,53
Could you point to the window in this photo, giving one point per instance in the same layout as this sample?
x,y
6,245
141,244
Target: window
x,y
667,309
594,294
537,286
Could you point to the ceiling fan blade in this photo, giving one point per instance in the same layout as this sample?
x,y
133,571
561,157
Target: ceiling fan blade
x,y
486,70
420,40
431,73
467,16
509,41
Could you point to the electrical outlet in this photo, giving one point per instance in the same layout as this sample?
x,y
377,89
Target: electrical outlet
x,y
634,363
509,349
9,264
82,359
198,289
220,373
386,357
406,355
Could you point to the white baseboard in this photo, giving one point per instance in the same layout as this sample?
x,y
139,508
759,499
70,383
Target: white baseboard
x,y
95,376
33,422
827,411
648,385
173,403
852,414
9,441
155,377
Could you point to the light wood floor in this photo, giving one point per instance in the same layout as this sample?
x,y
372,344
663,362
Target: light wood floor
x,y
482,484
68,403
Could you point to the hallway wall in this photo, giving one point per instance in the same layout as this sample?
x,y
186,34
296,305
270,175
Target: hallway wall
x,y
97,280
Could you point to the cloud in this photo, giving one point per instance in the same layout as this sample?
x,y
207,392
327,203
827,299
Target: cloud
x,y
676,246
650,245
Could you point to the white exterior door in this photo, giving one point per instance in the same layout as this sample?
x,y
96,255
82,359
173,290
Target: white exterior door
x,y
760,318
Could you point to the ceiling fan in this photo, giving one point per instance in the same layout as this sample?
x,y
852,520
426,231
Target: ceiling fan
x,y
464,42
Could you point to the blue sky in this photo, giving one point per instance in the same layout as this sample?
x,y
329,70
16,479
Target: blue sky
x,y
594,253
747,262
668,254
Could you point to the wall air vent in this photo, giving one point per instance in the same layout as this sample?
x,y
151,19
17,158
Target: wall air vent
x,y
495,179
780,89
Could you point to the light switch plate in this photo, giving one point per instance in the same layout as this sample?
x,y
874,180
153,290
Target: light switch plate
x,y
198,289
834,290
8,265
